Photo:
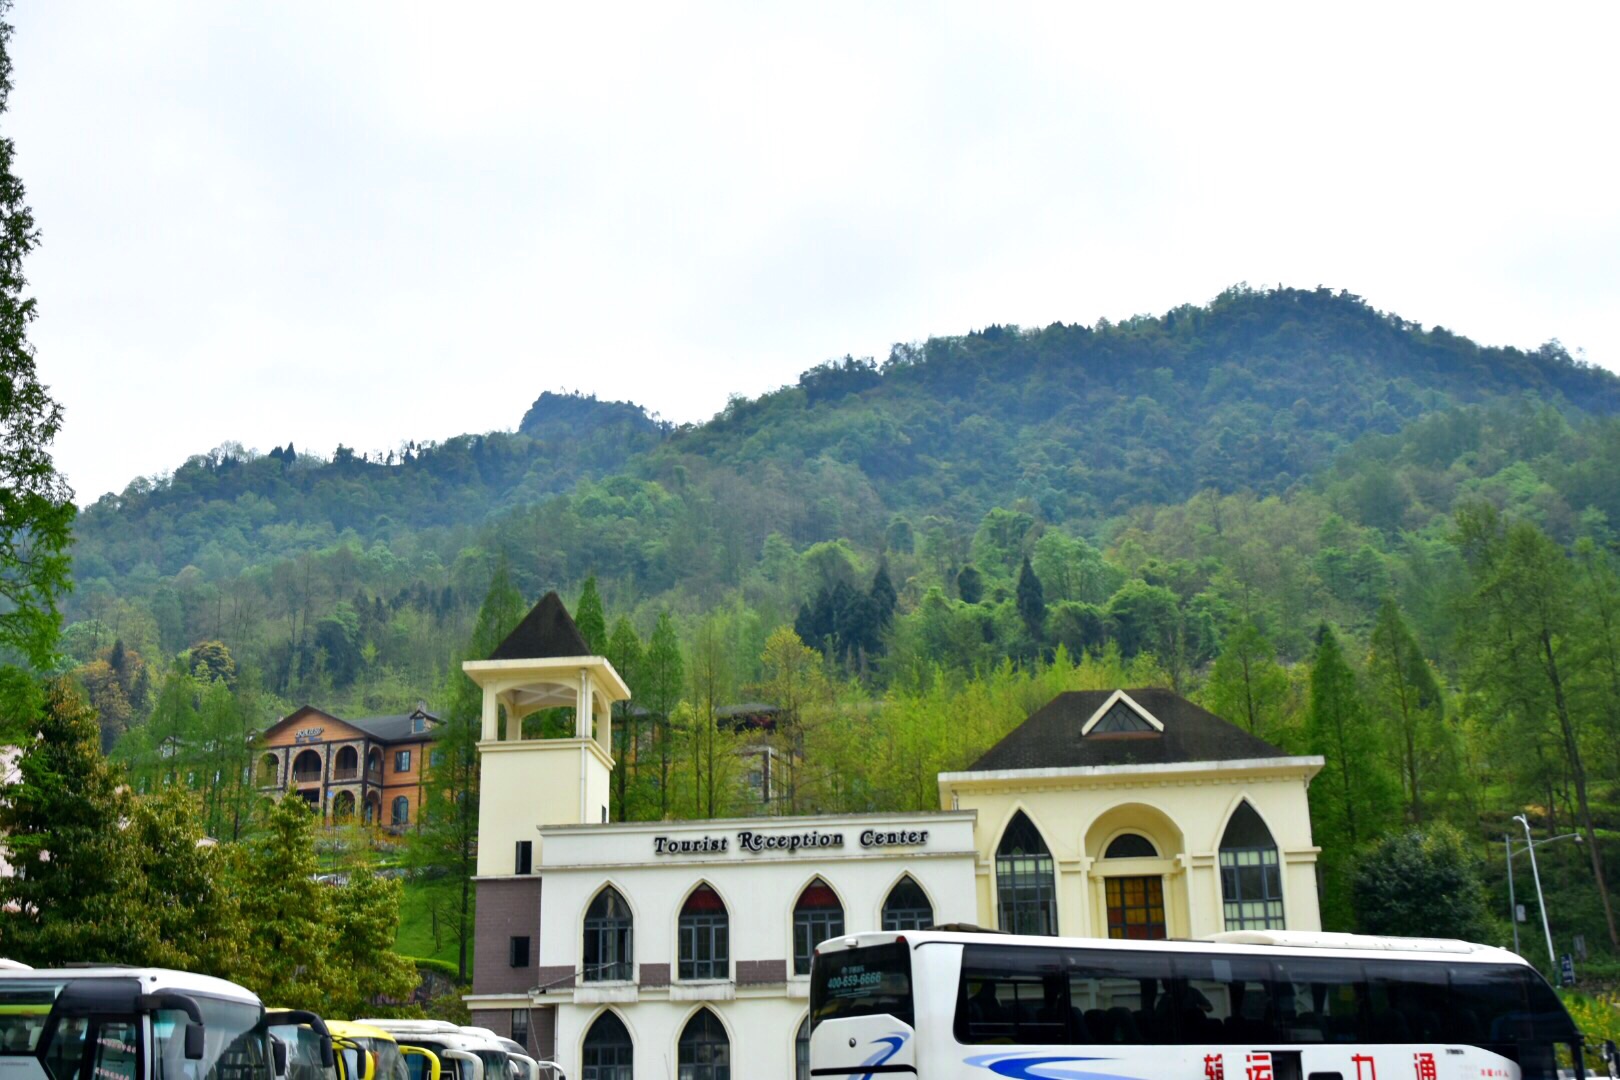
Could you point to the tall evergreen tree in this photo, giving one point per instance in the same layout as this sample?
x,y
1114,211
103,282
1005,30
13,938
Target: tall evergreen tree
x,y
1406,693
70,896
445,843
663,676
1352,799
289,914
36,504
590,619
1031,602
625,653
1246,684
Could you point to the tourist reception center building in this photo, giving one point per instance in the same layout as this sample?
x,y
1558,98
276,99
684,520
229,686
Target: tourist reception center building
x,y
638,950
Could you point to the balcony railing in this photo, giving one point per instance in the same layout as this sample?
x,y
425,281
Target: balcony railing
x,y
306,776
342,773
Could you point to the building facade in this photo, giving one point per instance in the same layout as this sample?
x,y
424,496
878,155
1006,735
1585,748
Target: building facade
x,y
653,949
369,770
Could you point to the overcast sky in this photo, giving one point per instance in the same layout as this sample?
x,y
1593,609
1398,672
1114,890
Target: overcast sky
x,y
371,222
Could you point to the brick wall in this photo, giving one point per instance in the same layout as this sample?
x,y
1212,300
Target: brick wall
x,y
761,972
654,974
506,909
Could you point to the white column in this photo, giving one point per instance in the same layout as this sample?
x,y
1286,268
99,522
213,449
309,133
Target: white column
x,y
491,716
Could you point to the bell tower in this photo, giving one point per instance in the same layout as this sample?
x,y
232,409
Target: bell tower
x,y
525,783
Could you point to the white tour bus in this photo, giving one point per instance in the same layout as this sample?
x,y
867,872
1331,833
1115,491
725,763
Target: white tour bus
x,y
1251,1005
121,1023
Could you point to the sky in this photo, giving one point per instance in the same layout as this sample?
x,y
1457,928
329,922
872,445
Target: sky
x,y
368,222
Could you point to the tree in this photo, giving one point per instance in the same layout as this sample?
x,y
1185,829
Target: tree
x,y
969,585
366,917
292,928
1352,799
212,660
74,872
1031,601
663,674
36,504
714,765
588,616
1406,693
1421,883
1246,683
444,847
792,681
1524,623
185,889
625,653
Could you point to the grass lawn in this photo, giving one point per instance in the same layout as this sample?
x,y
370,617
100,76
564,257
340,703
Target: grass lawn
x,y
415,937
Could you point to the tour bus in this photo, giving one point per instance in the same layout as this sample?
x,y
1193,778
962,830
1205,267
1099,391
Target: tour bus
x,y
520,1066
370,1053
125,1023
1248,1005
464,1056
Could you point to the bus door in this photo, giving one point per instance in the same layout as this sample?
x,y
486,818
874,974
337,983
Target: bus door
x,y
862,1017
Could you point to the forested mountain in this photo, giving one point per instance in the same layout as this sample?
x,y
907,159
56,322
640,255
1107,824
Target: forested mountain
x,y
1301,511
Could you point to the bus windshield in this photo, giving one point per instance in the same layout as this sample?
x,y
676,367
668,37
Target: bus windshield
x,y
235,1045
872,981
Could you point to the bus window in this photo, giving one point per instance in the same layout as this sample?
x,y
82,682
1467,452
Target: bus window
x,y
1122,997
1409,1001
117,1050
1239,993
862,982
1319,1000
1012,995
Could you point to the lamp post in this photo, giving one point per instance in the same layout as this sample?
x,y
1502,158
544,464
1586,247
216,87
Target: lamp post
x,y
1541,901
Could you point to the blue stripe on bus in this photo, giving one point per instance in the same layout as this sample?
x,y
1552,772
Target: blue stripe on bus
x,y
1040,1067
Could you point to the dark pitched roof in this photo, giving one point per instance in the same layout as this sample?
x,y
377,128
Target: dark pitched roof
x,y
546,631
400,728
1050,738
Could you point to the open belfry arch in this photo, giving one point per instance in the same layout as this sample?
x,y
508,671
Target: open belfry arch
x,y
524,783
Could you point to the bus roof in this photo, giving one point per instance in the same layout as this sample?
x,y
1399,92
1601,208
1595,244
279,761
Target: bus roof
x,y
1251,942
355,1029
151,979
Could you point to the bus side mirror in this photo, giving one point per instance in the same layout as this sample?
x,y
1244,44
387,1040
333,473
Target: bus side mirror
x,y
194,1044
328,1055
278,1050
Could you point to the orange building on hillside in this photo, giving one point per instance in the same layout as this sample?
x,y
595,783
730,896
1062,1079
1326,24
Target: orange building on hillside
x,y
371,769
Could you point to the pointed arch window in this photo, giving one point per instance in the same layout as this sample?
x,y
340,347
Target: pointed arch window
x,y
801,1051
1026,891
608,1052
816,917
608,938
1251,873
704,1052
705,936
907,907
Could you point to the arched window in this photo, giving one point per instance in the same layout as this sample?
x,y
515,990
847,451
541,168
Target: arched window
x,y
269,770
402,810
1131,846
705,936
608,938
1025,886
374,764
371,813
907,907
801,1051
346,766
609,1053
816,917
704,1052
307,767
1251,873
343,806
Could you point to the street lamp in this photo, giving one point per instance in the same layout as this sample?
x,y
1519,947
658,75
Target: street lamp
x,y
1541,902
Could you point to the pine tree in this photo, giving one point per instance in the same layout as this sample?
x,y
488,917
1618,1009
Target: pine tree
x,y
1352,799
444,846
366,914
625,653
1246,684
663,675
1031,602
36,504
290,920
588,616
75,883
1407,695
186,888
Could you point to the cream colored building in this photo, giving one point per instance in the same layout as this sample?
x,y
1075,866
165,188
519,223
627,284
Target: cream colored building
x,y
652,949
1138,814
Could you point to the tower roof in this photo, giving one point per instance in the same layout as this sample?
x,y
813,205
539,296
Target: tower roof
x,y
546,632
